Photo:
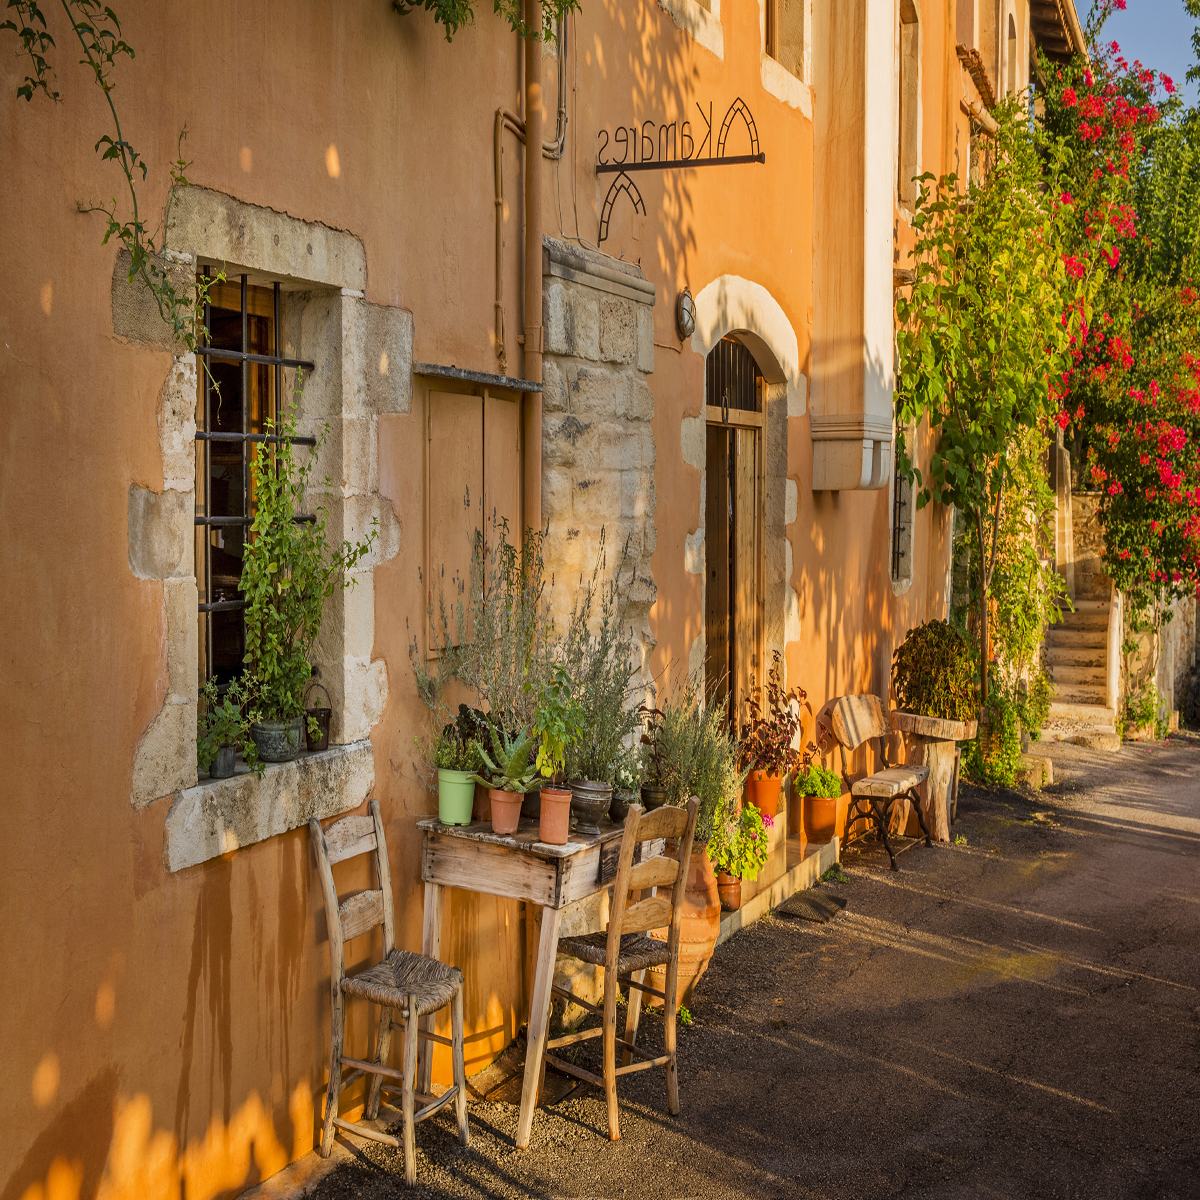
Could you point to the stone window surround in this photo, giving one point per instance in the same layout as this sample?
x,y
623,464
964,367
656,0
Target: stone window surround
x,y
363,357
777,80
731,304
703,24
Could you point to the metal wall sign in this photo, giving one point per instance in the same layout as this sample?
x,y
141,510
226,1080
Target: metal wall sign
x,y
654,146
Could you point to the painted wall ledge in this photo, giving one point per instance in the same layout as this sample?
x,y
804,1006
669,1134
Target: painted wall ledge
x,y
220,815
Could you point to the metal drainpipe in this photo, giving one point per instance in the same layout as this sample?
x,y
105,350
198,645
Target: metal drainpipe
x,y
533,264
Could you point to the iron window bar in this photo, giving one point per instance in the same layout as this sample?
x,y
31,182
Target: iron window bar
x,y
207,436
899,504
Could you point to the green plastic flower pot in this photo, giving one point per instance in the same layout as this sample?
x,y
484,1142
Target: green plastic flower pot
x,y
456,794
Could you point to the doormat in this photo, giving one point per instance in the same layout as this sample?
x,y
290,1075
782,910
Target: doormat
x,y
812,906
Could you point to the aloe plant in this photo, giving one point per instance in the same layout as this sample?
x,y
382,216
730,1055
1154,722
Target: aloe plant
x,y
508,767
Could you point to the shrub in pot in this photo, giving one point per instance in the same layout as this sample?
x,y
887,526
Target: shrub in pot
x,y
557,725
289,570
738,850
222,729
933,673
766,750
819,789
508,773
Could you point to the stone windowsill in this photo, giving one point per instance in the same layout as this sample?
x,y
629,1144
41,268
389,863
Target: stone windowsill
x,y
220,815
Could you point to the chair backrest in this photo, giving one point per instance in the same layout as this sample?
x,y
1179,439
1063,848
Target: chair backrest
x,y
658,872
857,719
361,912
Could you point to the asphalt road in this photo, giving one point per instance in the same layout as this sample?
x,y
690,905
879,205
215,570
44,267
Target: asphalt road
x,y
1015,1016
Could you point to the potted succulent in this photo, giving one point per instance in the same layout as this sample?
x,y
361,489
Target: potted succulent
x,y
766,750
738,850
819,789
288,572
457,760
508,774
221,730
557,725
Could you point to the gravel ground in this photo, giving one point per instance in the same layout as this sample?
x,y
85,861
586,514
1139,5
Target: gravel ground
x,y
1015,1015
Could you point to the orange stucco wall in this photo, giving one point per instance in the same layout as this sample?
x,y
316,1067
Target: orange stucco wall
x,y
174,1027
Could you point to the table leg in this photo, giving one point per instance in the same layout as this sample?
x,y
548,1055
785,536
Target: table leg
x,y
431,947
539,1021
939,755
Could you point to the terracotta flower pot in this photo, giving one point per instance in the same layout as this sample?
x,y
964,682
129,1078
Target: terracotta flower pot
x,y
481,807
506,810
819,814
762,790
729,888
554,816
699,927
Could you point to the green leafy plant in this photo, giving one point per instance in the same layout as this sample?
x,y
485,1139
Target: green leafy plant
x,y
685,1015
289,570
454,753
557,723
738,845
933,673
452,15
835,874
772,727
626,770
994,756
960,839
222,721
508,767
819,781
1034,704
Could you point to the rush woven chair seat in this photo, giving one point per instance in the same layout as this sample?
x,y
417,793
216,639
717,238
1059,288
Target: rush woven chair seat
x,y
625,953
403,983
859,719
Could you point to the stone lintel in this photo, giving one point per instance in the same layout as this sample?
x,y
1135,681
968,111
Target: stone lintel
x,y
220,815
595,270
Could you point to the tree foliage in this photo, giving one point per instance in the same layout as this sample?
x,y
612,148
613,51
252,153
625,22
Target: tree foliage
x,y
452,15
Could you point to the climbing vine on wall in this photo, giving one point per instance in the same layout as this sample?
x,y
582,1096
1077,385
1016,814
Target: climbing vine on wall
x,y
452,15
98,31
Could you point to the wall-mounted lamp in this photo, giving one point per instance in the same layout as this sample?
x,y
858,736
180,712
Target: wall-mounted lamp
x,y
685,315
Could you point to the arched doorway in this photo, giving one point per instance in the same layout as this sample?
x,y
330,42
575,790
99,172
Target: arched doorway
x,y
733,617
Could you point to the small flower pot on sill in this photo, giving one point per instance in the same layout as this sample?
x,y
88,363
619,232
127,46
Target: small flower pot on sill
x,y
762,790
277,741
729,888
506,810
222,766
554,816
456,796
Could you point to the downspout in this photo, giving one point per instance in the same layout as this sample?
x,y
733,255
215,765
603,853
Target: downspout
x,y
532,407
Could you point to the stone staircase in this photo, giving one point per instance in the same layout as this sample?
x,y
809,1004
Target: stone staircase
x,y
1076,659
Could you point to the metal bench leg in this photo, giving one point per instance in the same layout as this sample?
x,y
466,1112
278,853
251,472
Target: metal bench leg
x,y
916,803
881,828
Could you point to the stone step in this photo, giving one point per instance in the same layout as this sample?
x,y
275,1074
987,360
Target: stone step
x,y
1084,619
1093,606
1079,693
1076,656
1064,675
1090,714
1077,637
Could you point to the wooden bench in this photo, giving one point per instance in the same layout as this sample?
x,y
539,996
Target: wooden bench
x,y
853,721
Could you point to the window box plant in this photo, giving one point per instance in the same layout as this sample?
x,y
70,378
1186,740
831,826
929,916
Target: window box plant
x,y
738,849
289,570
508,773
767,751
222,729
819,789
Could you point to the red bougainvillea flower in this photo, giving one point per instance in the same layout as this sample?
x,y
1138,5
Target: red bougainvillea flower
x,y
1113,256
1064,419
1069,98
1074,266
1067,198
1167,82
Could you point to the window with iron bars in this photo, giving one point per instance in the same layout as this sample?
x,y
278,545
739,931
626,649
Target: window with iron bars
x,y
241,394
901,524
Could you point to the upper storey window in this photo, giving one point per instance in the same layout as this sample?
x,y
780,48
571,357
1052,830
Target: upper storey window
x,y
785,34
908,157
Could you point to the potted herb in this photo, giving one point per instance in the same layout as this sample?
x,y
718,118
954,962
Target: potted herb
x,y
557,725
289,570
738,850
766,750
819,789
457,760
508,774
221,730
626,781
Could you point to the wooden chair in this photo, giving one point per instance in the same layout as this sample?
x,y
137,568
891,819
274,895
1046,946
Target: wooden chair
x,y
625,952
858,719
406,983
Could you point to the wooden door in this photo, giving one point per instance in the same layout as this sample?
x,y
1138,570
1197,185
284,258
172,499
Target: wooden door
x,y
717,564
745,559
502,469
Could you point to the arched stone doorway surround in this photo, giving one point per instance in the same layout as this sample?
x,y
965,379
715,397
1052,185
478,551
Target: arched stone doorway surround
x,y
733,305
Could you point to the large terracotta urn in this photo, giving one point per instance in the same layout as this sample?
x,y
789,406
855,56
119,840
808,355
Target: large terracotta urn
x,y
699,926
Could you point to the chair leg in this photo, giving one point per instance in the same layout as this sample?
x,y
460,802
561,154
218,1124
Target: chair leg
x,y
337,1024
610,1051
670,1007
881,829
410,1083
916,803
460,1070
632,1015
384,1048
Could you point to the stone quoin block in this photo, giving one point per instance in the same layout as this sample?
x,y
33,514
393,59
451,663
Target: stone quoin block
x,y
645,338
618,330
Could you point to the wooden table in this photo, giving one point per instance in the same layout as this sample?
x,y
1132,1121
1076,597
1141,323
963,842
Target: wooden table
x,y
518,867
935,746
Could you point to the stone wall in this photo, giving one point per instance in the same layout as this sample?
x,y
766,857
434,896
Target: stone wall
x,y
597,445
